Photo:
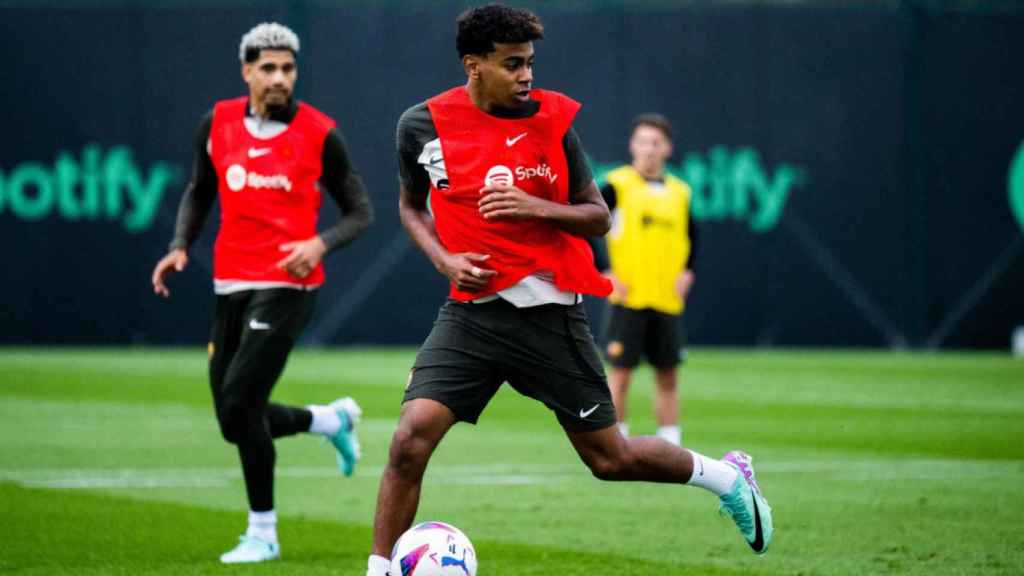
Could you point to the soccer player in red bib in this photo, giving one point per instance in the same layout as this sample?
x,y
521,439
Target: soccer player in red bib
x,y
267,157
511,203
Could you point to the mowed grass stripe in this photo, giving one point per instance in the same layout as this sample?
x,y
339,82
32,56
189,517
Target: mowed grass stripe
x,y
875,470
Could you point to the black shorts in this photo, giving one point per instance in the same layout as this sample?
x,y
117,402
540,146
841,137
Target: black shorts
x,y
630,333
544,352
253,333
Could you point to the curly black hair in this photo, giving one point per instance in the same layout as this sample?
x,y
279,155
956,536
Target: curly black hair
x,y
479,28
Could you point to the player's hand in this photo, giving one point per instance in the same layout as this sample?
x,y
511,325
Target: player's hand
x,y
684,282
619,290
503,202
465,272
174,261
303,256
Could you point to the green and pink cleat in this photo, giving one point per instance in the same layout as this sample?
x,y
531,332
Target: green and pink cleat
x,y
746,505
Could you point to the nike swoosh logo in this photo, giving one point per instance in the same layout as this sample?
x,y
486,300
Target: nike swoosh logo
x,y
434,161
255,324
510,142
758,544
257,152
585,413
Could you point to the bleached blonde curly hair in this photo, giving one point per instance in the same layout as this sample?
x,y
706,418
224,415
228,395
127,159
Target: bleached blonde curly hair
x,y
267,36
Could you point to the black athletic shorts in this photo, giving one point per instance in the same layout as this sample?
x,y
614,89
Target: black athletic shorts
x,y
630,333
544,352
253,333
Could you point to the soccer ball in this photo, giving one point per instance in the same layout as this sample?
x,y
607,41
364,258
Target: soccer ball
x,y
433,549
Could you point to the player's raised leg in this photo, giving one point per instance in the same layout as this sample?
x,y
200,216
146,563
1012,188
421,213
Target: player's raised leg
x,y
650,458
420,428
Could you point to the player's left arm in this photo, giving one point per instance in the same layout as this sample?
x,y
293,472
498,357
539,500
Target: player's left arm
x,y
687,277
585,215
598,244
342,182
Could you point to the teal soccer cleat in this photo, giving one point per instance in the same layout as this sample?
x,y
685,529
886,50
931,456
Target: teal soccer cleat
x,y
345,440
746,505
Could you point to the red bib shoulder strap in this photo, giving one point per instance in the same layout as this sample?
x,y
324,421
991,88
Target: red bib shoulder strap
x,y
560,108
318,120
230,110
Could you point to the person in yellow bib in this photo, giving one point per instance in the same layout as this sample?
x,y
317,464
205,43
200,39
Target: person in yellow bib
x,y
651,249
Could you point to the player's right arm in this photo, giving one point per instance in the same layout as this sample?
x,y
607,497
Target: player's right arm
x,y
195,206
463,269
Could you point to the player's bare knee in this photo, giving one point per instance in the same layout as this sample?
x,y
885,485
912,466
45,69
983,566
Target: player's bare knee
x,y
611,466
603,468
408,454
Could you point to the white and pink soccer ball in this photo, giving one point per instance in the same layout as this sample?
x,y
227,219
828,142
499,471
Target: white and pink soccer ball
x,y
433,549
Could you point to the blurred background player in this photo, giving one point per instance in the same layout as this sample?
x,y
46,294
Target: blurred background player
x,y
267,156
511,203
652,248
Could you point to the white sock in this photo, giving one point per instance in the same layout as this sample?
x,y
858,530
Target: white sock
x,y
713,475
263,525
377,566
670,434
623,429
325,420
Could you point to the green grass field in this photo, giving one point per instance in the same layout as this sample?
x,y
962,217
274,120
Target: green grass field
x,y
875,463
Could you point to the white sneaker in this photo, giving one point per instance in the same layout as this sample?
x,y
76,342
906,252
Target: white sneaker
x,y
251,549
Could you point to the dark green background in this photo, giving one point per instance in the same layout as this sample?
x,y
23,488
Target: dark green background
x,y
901,119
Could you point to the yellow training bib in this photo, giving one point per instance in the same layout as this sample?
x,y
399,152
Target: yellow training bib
x,y
649,242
